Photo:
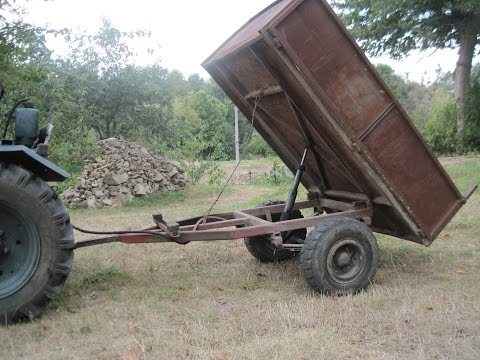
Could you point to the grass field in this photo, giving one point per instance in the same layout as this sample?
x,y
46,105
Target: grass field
x,y
214,301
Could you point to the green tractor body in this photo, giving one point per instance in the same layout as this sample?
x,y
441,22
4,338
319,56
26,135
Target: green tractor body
x,y
36,237
29,148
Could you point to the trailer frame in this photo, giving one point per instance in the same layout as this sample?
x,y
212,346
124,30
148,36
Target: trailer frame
x,y
239,224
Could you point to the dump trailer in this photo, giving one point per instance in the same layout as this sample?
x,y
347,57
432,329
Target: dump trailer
x,y
297,74
311,84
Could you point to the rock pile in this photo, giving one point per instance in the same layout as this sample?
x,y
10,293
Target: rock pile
x,y
122,171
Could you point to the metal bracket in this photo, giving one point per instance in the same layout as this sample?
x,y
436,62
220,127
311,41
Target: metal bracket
x,y
170,229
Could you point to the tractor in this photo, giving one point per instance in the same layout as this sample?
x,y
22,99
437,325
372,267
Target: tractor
x,y
36,237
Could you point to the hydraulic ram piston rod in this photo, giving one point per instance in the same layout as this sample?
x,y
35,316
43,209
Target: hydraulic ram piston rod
x,y
287,211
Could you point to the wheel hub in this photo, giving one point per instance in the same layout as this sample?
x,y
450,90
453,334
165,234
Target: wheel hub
x,y
19,250
346,260
343,259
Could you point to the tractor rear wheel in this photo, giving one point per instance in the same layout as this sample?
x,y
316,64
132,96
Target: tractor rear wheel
x,y
36,244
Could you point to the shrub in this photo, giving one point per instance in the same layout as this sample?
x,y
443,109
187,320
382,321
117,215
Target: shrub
x,y
278,175
471,138
440,130
258,147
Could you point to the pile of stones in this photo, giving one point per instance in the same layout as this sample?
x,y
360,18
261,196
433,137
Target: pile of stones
x,y
122,171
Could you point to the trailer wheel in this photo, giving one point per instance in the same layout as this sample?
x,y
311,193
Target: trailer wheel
x,y
261,247
339,255
36,244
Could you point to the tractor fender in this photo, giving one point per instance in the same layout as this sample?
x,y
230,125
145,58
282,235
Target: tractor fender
x,y
30,160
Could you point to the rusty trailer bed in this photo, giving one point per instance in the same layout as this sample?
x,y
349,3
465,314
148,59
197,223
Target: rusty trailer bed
x,y
296,68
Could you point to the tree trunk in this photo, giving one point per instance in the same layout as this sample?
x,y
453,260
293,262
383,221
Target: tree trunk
x,y
107,131
99,132
461,76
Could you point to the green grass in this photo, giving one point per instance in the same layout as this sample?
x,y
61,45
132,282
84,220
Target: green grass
x,y
157,199
197,193
465,174
101,276
267,161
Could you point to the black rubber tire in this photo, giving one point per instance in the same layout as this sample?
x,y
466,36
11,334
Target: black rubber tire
x,y
323,249
36,201
262,249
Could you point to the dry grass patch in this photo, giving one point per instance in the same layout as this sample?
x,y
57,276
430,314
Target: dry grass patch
x,y
214,301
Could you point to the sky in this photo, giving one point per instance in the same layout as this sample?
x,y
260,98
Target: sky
x,y
189,31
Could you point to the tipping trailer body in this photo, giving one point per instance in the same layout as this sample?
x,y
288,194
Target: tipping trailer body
x,y
299,76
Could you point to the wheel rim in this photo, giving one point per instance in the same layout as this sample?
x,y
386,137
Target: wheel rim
x,y
19,250
346,260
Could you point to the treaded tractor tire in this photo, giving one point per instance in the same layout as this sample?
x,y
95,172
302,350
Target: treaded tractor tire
x,y
36,244
340,255
260,246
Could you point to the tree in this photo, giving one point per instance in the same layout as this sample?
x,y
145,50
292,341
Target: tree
x,y
245,128
24,57
472,113
400,26
196,82
176,84
199,126
395,82
117,97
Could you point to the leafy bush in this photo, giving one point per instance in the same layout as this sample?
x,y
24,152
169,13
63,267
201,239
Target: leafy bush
x,y
216,175
471,138
258,147
198,169
440,131
70,156
277,175
70,182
